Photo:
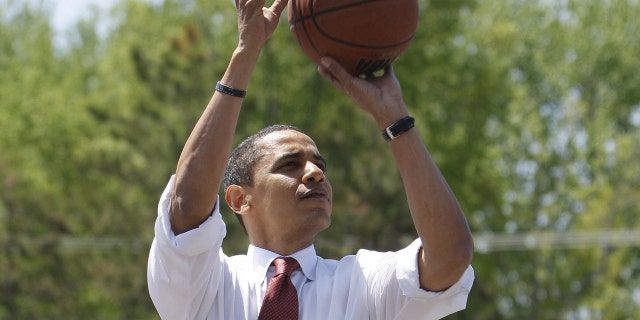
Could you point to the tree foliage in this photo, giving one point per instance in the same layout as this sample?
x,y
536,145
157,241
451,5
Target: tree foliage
x,y
530,108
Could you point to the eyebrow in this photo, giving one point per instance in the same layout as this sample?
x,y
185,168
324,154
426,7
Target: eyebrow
x,y
297,154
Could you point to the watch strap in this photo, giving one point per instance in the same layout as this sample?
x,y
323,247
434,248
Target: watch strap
x,y
397,128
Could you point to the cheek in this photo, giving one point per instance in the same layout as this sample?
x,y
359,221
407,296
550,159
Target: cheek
x,y
330,189
280,189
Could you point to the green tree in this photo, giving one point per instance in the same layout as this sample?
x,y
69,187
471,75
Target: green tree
x,y
531,110
570,69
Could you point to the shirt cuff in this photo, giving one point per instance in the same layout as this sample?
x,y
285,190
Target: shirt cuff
x,y
409,279
209,234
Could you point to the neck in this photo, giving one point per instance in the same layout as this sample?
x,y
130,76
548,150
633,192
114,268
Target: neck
x,y
283,248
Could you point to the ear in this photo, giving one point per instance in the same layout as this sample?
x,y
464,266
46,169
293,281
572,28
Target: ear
x,y
237,199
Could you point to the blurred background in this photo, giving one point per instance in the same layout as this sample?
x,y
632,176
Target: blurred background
x,y
530,108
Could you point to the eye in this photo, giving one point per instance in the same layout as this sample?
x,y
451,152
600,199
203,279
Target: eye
x,y
289,164
322,166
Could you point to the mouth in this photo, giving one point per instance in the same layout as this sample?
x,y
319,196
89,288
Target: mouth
x,y
314,194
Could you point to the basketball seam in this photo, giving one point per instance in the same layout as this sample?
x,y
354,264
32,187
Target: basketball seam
x,y
306,32
312,15
352,44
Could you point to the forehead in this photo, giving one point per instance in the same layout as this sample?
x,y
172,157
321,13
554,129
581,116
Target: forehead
x,y
279,142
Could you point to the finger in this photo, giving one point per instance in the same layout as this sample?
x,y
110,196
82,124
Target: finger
x,y
252,3
242,4
278,6
388,70
338,73
334,67
334,72
324,72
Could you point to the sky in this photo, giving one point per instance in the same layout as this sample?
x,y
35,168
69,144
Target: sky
x,y
67,12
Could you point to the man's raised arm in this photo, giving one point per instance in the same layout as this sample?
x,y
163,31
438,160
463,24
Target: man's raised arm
x,y
447,246
204,157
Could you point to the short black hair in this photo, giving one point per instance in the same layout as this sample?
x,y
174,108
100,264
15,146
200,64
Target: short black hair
x,y
244,157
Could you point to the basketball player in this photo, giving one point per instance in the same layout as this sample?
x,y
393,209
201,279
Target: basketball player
x,y
276,182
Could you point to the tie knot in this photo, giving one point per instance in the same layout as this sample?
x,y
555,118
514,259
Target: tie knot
x,y
285,265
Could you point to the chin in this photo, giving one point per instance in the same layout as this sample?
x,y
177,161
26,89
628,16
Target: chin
x,y
320,221
326,225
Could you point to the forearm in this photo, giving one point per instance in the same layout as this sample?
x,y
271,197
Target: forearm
x,y
441,225
438,218
204,157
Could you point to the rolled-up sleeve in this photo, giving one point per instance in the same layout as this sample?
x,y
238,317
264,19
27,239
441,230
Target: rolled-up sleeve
x,y
181,269
396,292
428,304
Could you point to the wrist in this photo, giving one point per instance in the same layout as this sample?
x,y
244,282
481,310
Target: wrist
x,y
248,49
396,129
225,89
240,68
389,113
246,55
383,121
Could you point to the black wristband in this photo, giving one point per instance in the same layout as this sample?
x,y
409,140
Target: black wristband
x,y
230,91
399,127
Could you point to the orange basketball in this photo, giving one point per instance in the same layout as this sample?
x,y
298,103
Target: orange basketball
x,y
363,35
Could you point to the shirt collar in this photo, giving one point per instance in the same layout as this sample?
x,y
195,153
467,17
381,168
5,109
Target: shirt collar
x,y
261,260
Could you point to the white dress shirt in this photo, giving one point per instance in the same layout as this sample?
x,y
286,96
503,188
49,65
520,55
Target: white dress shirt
x,y
190,277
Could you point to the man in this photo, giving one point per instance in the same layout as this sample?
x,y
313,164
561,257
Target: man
x,y
276,183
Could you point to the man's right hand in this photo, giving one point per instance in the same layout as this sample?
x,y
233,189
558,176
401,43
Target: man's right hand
x,y
256,22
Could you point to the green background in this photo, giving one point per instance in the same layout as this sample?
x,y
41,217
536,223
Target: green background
x,y
530,108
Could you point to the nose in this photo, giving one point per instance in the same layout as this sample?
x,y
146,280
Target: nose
x,y
313,173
